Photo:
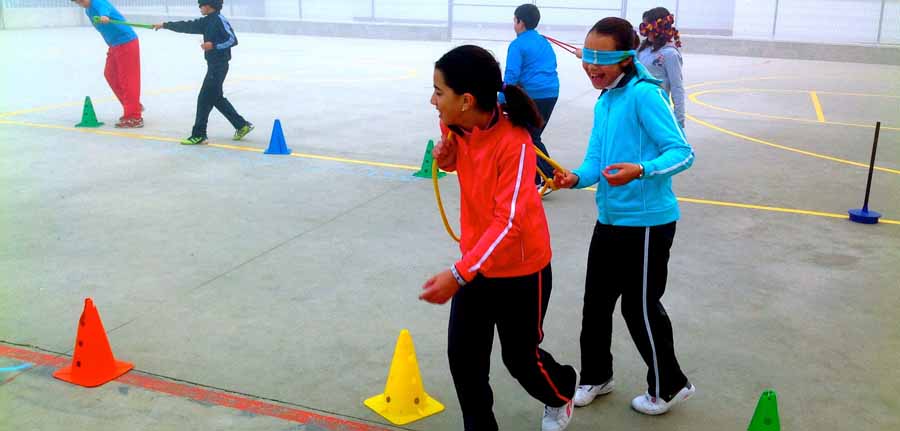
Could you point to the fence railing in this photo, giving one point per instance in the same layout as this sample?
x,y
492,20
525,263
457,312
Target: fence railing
x,y
843,21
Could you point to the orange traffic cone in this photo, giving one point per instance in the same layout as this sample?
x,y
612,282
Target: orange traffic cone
x,y
404,399
93,363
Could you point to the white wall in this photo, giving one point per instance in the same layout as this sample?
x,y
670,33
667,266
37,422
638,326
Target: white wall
x,y
890,28
835,21
43,17
828,20
703,15
753,18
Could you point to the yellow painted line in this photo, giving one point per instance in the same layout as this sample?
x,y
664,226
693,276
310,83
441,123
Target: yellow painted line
x,y
161,91
402,166
782,90
776,209
766,208
694,97
96,101
211,144
732,81
786,148
817,105
410,73
89,130
235,147
354,161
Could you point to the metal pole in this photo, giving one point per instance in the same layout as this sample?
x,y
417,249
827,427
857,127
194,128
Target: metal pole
x,y
231,8
167,7
775,20
880,22
372,9
871,167
624,9
677,10
300,9
449,19
2,20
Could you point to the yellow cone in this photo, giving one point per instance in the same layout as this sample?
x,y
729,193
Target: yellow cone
x,y
404,399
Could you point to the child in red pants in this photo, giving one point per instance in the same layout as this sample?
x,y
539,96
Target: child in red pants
x,y
123,60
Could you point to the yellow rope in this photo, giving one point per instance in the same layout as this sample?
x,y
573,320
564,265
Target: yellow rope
x,y
548,182
437,197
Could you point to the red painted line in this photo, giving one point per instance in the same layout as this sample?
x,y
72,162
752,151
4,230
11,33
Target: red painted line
x,y
203,395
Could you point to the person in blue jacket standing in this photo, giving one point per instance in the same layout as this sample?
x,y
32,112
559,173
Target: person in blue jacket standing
x,y
635,148
531,64
218,39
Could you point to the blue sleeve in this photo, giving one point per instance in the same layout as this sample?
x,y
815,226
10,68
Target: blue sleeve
x,y
513,68
101,7
658,122
513,64
590,171
673,63
197,26
231,38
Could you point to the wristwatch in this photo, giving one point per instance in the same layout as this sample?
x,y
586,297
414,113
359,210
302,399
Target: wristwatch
x,y
642,170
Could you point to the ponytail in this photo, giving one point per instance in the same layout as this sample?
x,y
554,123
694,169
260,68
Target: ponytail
x,y
520,109
472,69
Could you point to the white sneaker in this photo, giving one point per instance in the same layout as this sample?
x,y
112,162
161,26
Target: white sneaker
x,y
558,418
650,405
585,394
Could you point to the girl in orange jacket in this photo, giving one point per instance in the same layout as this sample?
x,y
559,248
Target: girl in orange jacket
x,y
503,278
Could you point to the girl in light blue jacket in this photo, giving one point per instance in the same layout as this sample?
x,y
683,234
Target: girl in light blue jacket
x,y
635,148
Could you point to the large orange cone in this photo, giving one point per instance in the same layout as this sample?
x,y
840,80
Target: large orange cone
x,y
404,399
93,363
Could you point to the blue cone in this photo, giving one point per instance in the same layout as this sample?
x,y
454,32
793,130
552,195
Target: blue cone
x,y
277,144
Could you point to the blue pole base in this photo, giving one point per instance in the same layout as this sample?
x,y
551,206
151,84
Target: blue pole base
x,y
864,216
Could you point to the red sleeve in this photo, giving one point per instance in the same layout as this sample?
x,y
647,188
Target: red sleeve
x,y
508,211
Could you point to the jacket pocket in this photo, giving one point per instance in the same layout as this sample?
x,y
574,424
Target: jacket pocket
x,y
626,198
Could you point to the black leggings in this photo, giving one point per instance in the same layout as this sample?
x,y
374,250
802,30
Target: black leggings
x,y
516,307
630,262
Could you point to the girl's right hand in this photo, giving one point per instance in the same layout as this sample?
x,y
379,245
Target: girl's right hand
x,y
445,153
564,179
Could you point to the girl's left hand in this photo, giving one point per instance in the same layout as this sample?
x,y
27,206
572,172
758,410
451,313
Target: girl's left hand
x,y
440,288
625,173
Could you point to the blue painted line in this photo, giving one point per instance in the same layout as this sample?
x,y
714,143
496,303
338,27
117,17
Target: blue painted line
x,y
24,366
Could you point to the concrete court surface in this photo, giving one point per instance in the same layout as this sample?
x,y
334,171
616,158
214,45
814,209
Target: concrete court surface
x,y
289,278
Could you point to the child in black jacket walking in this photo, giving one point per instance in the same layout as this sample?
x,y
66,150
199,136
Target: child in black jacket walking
x,y
218,39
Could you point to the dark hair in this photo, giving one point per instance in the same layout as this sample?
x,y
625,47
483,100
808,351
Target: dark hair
x,y
622,33
651,16
215,4
528,14
472,69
